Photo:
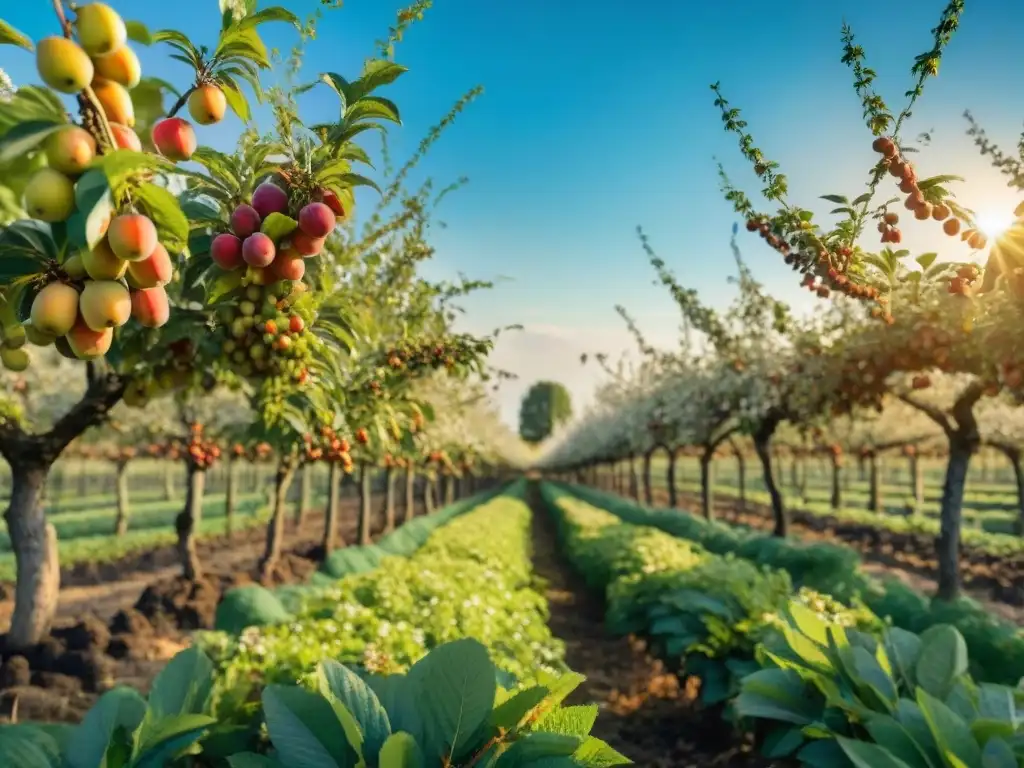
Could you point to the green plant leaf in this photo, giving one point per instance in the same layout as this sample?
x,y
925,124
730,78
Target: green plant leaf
x,y
943,659
252,760
183,686
950,732
27,746
513,710
94,203
278,226
454,687
370,107
235,98
376,73
890,734
595,753
865,755
569,721
998,754
304,729
24,137
168,737
10,36
360,702
138,33
118,708
400,751
782,742
120,164
903,649
535,747
162,207
926,259
275,13
224,283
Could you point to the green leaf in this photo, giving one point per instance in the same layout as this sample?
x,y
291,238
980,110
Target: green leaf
x,y
138,33
890,734
950,732
235,98
400,751
926,259
360,702
118,708
782,742
94,205
24,137
943,659
861,199
902,648
26,746
998,754
355,180
536,746
32,102
569,721
252,760
595,753
865,755
278,226
454,687
371,107
10,36
223,284
376,73
511,712
121,164
276,13
183,686
162,207
169,737
837,199
304,729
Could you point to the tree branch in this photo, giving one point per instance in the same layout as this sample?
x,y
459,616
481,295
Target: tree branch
x,y
931,411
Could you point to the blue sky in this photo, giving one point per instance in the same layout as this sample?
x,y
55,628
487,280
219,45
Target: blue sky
x,y
597,117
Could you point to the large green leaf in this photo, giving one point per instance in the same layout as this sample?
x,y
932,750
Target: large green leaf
x,y
304,729
170,737
890,734
536,747
454,687
594,753
183,686
162,207
951,733
372,107
361,703
32,102
120,708
865,755
26,746
943,659
376,73
513,710
138,32
275,13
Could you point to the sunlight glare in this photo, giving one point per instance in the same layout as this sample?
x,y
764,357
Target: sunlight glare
x,y
994,223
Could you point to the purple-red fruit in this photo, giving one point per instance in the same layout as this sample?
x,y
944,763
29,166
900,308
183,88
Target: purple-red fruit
x,y
226,251
269,198
316,220
245,220
258,250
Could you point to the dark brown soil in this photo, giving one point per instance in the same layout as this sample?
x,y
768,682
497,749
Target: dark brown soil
x,y
123,630
647,712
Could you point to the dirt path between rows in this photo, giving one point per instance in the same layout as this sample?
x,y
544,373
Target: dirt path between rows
x,y
874,564
645,713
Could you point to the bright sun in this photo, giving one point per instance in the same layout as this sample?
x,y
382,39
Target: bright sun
x,y
994,223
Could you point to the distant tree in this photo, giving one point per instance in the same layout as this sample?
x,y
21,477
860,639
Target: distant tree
x,y
546,405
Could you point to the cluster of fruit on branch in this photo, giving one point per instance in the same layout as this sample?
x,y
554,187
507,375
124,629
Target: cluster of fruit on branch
x,y
916,202
123,274
802,250
328,446
201,453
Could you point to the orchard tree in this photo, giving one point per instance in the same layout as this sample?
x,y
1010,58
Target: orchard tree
x,y
545,405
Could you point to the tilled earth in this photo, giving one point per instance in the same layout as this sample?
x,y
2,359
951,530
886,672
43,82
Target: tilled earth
x,y
648,712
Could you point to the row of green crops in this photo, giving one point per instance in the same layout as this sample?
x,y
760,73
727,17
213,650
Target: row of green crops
x,y
985,538
816,681
997,648
471,578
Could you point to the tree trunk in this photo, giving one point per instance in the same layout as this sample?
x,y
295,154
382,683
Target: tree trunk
x,y
34,542
646,468
802,487
229,496
410,494
365,507
670,478
428,495
121,521
389,499
188,521
168,481
762,444
449,489
634,484
305,495
1018,475
875,483
862,469
275,528
947,546
707,491
916,482
741,473
329,541
837,482
794,478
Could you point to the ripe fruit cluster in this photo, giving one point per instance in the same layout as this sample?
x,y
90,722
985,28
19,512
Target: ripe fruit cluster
x,y
903,170
174,137
98,290
267,263
201,453
103,65
266,335
328,446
